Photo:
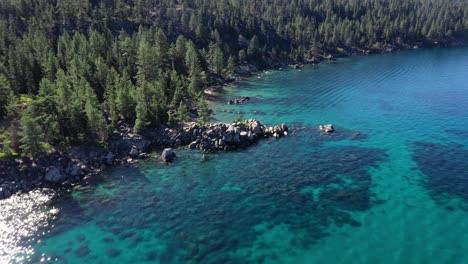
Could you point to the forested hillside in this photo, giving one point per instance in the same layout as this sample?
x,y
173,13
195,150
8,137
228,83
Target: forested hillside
x,y
70,70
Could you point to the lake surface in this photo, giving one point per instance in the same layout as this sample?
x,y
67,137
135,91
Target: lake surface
x,y
390,186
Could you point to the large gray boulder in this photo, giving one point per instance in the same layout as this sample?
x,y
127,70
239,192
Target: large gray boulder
x,y
190,128
193,145
134,152
232,135
284,128
257,128
54,175
168,155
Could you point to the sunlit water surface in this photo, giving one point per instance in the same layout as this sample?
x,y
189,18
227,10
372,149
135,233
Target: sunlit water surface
x,y
391,186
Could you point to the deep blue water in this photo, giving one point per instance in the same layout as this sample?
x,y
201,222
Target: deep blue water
x,y
390,186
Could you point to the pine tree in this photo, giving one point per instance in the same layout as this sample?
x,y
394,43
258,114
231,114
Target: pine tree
x,y
50,66
110,96
217,58
95,118
69,103
194,69
142,118
203,111
157,103
32,140
242,56
147,61
182,113
53,51
162,50
253,48
178,89
125,97
178,55
6,96
193,23
231,66
100,77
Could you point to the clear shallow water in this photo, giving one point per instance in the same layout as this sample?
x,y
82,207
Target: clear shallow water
x,y
391,186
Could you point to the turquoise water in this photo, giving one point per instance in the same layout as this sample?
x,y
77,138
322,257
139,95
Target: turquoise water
x,y
390,186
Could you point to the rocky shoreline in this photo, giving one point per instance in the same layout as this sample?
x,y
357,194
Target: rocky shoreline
x,y
342,52
126,147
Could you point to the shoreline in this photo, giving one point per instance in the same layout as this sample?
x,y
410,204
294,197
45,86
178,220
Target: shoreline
x,y
66,170
63,170
247,71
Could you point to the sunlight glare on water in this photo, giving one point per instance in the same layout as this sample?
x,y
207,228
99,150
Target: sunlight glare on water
x,y
389,186
22,221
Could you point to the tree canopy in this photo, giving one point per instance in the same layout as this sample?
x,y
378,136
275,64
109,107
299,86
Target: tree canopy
x,y
85,65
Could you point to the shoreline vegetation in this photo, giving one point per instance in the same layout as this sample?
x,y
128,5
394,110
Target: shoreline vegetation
x,y
87,84
127,148
246,71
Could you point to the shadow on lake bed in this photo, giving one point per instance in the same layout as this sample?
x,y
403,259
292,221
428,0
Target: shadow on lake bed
x,y
236,206
445,169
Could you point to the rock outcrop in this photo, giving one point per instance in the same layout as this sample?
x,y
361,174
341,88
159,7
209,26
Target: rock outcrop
x,y
168,155
327,128
238,101
223,137
126,147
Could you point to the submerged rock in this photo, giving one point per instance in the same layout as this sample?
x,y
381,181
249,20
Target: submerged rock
x,y
168,155
238,101
112,252
82,251
127,147
327,128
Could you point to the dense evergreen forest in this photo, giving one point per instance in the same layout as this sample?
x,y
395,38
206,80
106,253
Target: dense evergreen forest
x,y
70,70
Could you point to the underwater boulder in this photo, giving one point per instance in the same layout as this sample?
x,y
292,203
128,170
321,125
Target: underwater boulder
x,y
327,128
168,155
